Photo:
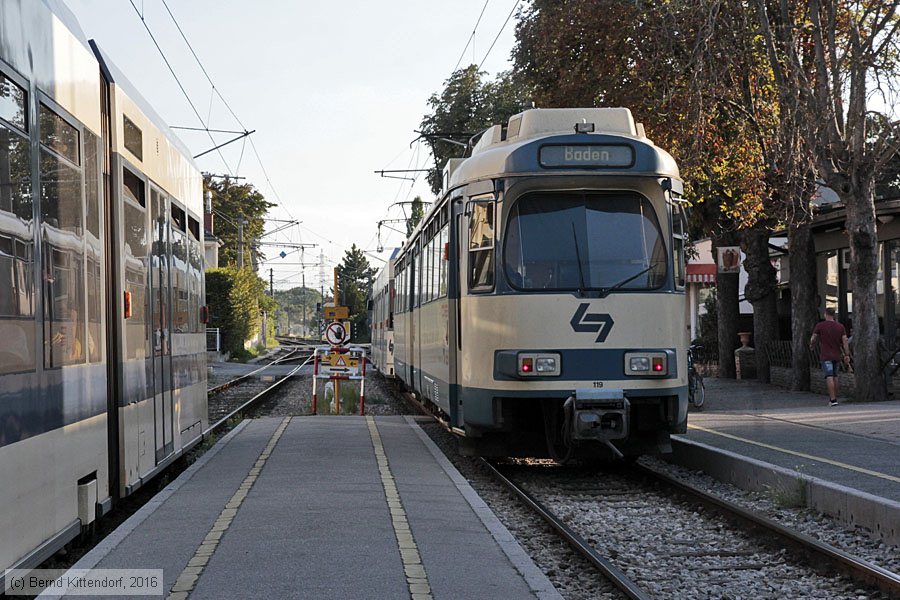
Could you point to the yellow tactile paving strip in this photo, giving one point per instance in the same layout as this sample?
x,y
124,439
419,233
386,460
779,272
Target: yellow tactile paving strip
x,y
416,579
185,583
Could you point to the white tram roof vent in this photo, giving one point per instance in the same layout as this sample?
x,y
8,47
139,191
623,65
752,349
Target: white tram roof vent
x,y
449,167
492,135
543,121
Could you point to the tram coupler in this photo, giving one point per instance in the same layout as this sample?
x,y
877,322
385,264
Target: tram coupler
x,y
598,415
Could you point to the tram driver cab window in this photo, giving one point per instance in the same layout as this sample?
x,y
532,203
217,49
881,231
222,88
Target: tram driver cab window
x,y
481,245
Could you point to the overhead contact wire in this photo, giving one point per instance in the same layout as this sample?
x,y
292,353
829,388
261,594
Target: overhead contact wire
x,y
180,85
508,17
230,110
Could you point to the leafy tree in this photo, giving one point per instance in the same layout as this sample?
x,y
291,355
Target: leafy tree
x,y
832,56
235,298
465,107
231,202
294,304
355,279
887,185
708,336
416,213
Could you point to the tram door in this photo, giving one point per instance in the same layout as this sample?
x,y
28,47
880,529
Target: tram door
x,y
413,317
162,350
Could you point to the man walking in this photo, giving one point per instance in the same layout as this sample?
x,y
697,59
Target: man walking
x,y
832,338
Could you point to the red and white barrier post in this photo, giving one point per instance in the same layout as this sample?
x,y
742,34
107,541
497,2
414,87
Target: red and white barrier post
x,y
315,377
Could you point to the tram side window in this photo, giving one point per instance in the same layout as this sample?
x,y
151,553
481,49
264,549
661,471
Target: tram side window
x,y
407,301
134,139
180,276
415,281
13,103
435,268
398,299
445,264
160,301
196,277
62,226
428,272
391,293
180,271
94,245
136,265
58,135
16,234
678,239
481,245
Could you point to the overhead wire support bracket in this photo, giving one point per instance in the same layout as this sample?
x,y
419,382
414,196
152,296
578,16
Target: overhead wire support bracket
x,y
232,131
444,136
383,171
286,225
215,176
287,245
231,141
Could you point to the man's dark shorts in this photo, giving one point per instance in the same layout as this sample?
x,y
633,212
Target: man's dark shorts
x,y
830,368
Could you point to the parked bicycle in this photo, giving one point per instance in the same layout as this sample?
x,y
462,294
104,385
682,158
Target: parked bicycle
x,y
696,387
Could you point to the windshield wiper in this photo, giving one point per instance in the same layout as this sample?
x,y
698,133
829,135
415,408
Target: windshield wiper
x,y
604,292
578,258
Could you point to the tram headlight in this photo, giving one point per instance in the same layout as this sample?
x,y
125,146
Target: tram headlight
x,y
546,365
647,364
639,364
539,365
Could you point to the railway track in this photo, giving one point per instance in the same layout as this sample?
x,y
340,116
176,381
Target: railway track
x,y
654,536
242,393
662,527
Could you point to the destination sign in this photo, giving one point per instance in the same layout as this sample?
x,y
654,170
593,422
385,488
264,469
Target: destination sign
x,y
587,155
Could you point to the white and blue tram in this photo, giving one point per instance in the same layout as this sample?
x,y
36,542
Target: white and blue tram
x,y
540,303
102,364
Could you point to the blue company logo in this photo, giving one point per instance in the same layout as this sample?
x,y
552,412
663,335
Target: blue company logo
x,y
599,323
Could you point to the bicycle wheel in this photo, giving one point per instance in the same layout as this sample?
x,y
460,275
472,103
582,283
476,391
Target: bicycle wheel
x,y
699,392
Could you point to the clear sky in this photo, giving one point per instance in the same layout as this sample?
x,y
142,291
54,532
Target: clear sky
x,y
334,91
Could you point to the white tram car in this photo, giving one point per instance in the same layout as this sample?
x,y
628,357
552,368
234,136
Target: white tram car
x,y
103,365
381,319
540,303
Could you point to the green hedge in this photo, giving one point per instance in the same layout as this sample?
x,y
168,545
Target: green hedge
x,y
233,299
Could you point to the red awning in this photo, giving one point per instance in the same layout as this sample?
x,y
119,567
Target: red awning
x,y
701,273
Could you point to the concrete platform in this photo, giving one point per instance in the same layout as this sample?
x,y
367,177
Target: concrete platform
x,y
842,460
324,507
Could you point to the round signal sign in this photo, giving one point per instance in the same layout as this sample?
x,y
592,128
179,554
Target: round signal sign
x,y
335,334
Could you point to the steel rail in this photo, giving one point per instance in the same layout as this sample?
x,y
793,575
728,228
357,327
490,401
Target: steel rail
x,y
255,399
242,378
578,543
854,567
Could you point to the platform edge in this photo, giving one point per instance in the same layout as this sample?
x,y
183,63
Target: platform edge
x,y
537,581
120,533
876,514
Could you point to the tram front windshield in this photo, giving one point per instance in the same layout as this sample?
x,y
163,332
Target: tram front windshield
x,y
584,241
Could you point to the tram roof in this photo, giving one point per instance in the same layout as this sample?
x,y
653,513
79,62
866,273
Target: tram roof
x,y
515,147
68,18
116,77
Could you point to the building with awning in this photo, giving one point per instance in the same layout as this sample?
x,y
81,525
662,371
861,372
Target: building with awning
x,y
701,273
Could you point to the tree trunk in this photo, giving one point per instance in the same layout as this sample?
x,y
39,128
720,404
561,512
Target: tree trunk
x,y
802,258
728,311
760,290
860,200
